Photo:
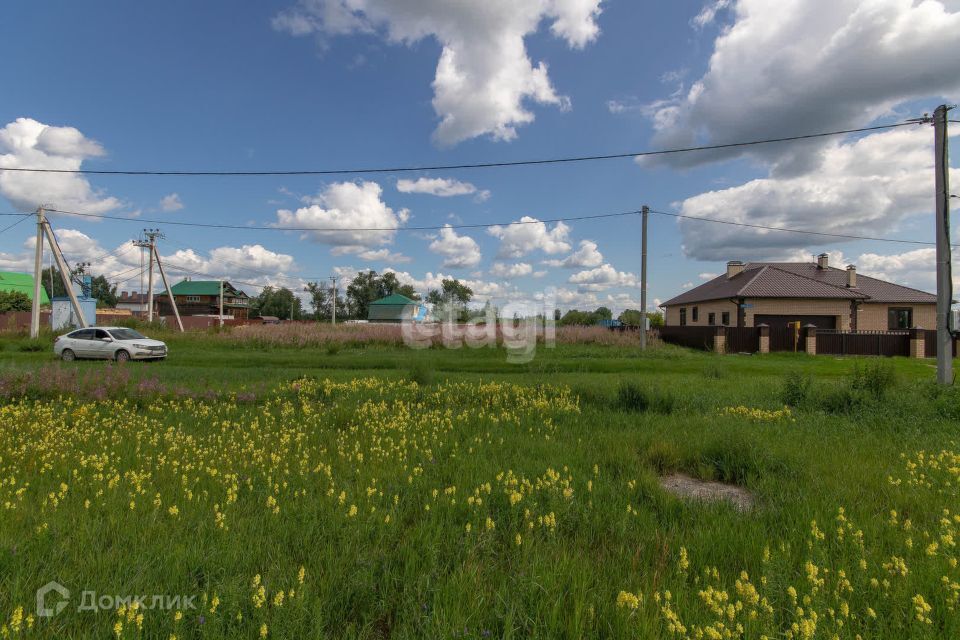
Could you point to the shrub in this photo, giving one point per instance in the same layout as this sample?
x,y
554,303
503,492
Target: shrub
x,y
34,345
421,374
663,456
636,398
632,397
795,389
840,400
873,378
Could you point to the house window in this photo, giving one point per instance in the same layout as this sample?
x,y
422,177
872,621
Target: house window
x,y
711,319
696,314
192,298
899,318
683,316
725,318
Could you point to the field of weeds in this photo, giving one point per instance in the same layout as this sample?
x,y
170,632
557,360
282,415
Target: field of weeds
x,y
378,492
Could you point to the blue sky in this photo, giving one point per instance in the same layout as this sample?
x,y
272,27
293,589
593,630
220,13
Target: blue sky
x,y
346,83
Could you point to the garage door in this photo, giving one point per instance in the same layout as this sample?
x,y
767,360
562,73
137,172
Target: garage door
x,y
781,321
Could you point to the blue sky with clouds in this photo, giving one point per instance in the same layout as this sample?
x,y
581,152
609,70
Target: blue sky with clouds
x,y
347,83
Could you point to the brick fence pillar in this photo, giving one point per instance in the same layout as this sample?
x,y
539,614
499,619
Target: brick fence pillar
x,y
720,340
918,347
764,338
810,339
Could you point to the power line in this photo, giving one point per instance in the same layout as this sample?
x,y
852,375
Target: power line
x,y
787,230
239,265
445,167
341,229
506,224
11,226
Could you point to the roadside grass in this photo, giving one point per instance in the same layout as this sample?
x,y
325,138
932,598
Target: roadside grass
x,y
564,452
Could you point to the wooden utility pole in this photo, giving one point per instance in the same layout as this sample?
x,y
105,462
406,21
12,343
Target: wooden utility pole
x,y
37,273
221,302
944,276
645,213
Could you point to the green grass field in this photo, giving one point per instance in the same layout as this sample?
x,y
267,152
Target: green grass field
x,y
380,492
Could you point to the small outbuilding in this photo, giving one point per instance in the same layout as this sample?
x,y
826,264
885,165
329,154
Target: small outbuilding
x,y
396,308
23,283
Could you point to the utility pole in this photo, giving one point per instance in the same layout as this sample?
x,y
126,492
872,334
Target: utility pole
x,y
37,274
944,276
645,213
333,300
64,273
221,302
151,244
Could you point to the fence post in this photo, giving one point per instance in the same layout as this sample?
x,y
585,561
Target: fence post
x,y
918,347
720,340
810,339
764,338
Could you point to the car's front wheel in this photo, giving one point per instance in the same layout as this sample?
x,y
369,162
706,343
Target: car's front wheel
x,y
67,355
122,356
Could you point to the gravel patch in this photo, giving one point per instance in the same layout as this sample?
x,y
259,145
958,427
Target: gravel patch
x,y
684,486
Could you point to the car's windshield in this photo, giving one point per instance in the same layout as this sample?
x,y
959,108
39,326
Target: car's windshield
x,y
126,334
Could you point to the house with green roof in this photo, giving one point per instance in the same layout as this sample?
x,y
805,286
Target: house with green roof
x,y
22,282
202,298
396,308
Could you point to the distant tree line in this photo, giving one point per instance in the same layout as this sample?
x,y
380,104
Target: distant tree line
x,y
629,317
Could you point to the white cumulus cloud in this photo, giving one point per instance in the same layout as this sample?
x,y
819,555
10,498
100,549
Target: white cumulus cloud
x,y
603,277
586,256
509,271
441,187
171,202
484,79
517,240
785,68
865,187
459,252
27,143
355,214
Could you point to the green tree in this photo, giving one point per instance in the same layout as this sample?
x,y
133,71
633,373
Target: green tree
x,y
368,286
14,301
276,302
603,313
631,317
450,299
577,317
52,283
321,299
104,292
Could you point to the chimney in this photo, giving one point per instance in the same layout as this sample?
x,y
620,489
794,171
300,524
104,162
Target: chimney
x,y
852,276
734,268
124,295
823,261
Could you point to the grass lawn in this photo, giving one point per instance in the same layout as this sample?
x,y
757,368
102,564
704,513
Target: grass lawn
x,y
381,492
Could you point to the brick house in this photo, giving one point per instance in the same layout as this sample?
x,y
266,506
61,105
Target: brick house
x,y
777,293
202,298
136,302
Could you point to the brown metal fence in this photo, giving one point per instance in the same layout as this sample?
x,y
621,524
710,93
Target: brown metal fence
x,y
930,344
693,337
742,339
786,339
863,343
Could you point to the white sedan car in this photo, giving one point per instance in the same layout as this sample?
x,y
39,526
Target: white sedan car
x,y
111,343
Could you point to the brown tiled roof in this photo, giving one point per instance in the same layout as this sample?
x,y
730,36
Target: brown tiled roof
x,y
798,280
